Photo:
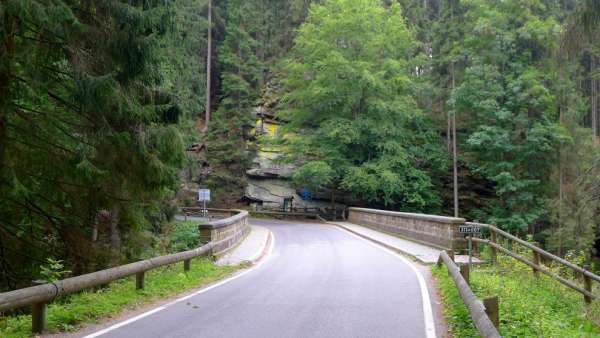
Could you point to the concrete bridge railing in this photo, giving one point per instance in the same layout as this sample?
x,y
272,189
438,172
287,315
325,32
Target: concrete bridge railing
x,y
437,231
220,236
225,234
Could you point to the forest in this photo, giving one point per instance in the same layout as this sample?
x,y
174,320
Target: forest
x,y
384,101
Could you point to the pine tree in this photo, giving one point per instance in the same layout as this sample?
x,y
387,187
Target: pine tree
x,y
240,75
82,141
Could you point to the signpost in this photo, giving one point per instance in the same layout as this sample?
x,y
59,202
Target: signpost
x,y
469,230
204,196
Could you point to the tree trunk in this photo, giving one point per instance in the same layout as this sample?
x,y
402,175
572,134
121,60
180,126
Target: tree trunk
x,y
5,80
454,159
95,231
208,67
593,99
115,235
449,132
333,202
262,38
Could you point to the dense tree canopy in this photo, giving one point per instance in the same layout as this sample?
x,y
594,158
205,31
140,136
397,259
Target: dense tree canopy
x,y
83,143
349,95
99,99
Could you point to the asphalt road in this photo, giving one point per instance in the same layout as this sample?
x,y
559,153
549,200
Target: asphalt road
x,y
319,281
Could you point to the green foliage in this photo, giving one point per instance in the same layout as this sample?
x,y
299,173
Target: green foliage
x,y
314,175
241,75
528,307
349,99
93,306
506,109
83,145
54,270
183,236
182,52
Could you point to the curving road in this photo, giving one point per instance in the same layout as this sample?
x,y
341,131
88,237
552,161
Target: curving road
x,y
319,281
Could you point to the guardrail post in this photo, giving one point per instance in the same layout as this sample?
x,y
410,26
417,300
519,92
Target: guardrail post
x,y
139,280
38,314
38,317
186,264
491,309
494,251
536,261
587,284
464,271
451,255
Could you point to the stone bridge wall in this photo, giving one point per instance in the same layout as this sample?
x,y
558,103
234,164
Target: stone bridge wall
x,y
438,231
226,233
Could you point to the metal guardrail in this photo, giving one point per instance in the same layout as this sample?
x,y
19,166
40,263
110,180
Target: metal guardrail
x,y
588,276
38,296
477,310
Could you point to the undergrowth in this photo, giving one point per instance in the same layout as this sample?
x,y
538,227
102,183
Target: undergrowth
x,y
528,307
69,313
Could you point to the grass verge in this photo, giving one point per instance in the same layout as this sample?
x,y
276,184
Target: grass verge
x,y
529,307
69,313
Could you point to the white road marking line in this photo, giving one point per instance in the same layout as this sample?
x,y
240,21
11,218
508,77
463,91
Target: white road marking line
x,y
131,320
427,309
148,313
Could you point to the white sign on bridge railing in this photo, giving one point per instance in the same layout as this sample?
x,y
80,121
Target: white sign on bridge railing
x,y
469,229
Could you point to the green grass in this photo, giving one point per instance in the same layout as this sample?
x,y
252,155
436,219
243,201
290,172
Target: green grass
x,y
528,307
90,307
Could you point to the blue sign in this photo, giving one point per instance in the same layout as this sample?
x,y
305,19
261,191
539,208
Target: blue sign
x,y
305,194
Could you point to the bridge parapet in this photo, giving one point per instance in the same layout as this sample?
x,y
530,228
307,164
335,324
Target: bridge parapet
x,y
225,233
437,231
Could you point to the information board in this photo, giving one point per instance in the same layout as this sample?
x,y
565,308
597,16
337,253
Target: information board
x,y
204,195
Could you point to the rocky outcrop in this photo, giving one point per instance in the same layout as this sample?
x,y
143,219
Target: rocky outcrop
x,y
269,180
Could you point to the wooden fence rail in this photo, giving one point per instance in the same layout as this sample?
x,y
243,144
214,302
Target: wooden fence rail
x,y
38,296
47,292
477,310
588,276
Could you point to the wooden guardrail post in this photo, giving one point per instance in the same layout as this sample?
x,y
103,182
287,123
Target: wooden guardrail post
x,y
38,313
451,255
38,317
140,280
186,264
464,271
587,285
491,309
494,252
536,261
